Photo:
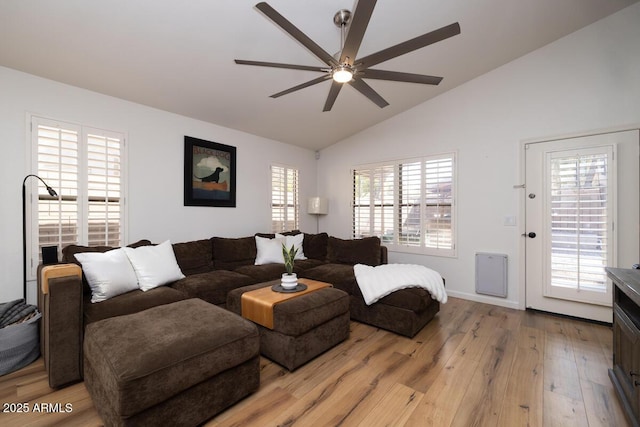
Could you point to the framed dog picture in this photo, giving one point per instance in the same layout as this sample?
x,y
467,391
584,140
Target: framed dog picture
x,y
209,173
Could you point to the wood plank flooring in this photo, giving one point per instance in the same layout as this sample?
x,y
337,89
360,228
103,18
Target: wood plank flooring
x,y
473,365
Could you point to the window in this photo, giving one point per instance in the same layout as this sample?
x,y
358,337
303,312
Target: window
x,y
84,166
409,204
284,198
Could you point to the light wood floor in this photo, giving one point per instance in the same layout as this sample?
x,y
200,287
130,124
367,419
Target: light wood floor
x,y
474,365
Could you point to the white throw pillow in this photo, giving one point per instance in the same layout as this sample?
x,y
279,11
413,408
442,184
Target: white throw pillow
x,y
108,273
269,251
154,265
295,240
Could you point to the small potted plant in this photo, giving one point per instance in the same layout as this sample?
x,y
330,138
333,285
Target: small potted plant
x,y
289,279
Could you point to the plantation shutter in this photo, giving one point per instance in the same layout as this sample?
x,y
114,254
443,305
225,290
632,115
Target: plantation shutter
x,y
361,202
284,199
373,202
438,179
409,204
104,189
581,217
58,155
383,201
84,167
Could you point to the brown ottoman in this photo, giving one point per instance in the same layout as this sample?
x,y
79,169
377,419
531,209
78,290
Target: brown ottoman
x,y
175,364
303,327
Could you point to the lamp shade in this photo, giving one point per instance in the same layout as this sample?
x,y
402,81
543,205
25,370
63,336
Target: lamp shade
x,y
318,206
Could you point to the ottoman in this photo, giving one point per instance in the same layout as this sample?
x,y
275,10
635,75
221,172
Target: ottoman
x,y
175,364
303,327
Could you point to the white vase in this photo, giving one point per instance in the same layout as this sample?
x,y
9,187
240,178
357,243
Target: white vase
x,y
289,281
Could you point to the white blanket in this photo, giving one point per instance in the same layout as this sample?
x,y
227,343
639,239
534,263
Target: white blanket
x,y
377,282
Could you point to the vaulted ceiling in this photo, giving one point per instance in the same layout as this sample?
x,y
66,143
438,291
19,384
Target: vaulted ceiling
x,y
179,56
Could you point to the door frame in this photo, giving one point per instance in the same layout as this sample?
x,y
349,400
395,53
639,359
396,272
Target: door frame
x,y
521,211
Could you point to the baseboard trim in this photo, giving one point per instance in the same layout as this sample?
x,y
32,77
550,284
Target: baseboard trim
x,y
484,299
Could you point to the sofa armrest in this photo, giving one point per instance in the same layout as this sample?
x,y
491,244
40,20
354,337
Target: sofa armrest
x,y
60,302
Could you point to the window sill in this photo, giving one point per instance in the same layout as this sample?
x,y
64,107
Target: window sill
x,y
445,253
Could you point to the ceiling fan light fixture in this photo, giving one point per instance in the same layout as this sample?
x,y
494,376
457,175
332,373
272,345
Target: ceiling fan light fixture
x,y
341,67
342,74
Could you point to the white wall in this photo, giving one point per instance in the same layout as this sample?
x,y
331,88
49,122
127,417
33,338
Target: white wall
x,y
587,81
155,154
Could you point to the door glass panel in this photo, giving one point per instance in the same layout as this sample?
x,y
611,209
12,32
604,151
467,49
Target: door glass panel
x,y
579,223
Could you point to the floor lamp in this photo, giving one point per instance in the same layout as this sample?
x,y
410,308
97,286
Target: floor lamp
x,y
318,206
52,193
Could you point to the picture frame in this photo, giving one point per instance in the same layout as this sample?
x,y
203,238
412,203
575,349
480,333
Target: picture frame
x,y
209,173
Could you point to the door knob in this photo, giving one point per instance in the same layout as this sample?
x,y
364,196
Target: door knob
x,y
530,234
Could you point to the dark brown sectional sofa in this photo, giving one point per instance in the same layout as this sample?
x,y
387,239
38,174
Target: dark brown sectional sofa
x,y
213,267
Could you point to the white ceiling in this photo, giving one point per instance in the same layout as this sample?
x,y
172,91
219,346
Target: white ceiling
x,y
178,56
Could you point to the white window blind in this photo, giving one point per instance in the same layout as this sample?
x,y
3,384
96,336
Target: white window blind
x,y
84,166
409,204
438,181
580,223
284,198
104,156
57,163
373,207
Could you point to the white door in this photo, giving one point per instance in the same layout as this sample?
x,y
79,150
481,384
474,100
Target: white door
x,y
581,216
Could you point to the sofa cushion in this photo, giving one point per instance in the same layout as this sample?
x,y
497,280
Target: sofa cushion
x,y
154,265
129,303
108,273
305,264
284,233
212,286
294,241
230,253
315,245
194,257
354,251
269,251
262,273
69,252
341,276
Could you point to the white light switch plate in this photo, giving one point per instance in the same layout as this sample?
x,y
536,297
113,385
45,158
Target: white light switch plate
x,y
510,221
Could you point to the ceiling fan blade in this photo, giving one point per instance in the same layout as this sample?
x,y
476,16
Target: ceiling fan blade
x,y
399,77
301,37
301,86
279,65
333,94
409,46
368,91
359,22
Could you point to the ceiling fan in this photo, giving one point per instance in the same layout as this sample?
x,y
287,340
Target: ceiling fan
x,y
346,68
